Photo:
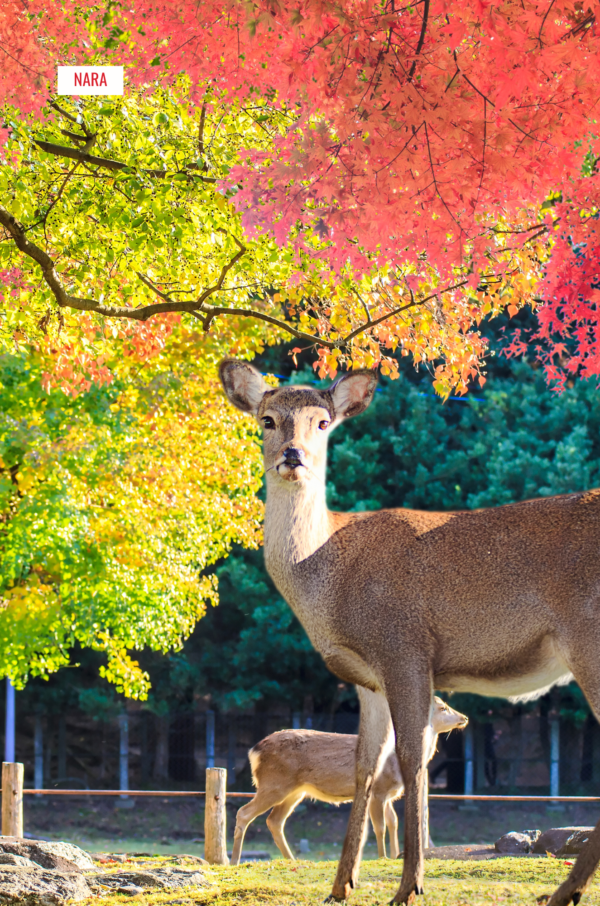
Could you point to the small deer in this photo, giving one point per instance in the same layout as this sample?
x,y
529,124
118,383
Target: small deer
x,y
500,602
289,765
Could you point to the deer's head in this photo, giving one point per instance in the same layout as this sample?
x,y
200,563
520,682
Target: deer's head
x,y
296,420
446,718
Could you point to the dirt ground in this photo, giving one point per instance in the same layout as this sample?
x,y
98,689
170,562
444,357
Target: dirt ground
x,y
177,825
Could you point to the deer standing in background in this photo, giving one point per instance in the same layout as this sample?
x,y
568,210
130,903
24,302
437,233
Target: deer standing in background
x,y
501,602
292,764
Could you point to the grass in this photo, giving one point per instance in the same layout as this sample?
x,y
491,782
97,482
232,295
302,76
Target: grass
x,y
172,826
499,882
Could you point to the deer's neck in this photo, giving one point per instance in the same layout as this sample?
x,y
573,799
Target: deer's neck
x,y
297,522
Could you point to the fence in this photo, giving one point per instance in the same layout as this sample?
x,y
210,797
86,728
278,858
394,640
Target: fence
x,y
526,754
215,796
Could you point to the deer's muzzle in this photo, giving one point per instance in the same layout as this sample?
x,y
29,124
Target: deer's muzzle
x,y
293,457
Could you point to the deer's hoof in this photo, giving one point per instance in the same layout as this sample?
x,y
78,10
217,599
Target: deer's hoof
x,y
407,898
340,893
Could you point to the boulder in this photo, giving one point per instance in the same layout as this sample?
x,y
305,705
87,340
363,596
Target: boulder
x,y
553,840
573,845
513,844
10,859
66,851
161,878
24,886
37,853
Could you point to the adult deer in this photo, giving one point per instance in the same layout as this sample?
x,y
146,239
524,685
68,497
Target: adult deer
x,y
501,602
290,765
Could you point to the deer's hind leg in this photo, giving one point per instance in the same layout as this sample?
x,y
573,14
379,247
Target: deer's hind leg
x,y
276,822
262,802
374,734
391,822
377,815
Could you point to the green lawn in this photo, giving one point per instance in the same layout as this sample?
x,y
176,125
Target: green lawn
x,y
507,881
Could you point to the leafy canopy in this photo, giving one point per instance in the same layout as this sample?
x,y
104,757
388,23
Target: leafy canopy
x,y
420,138
135,209
112,505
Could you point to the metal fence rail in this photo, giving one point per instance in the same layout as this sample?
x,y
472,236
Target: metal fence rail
x,y
235,795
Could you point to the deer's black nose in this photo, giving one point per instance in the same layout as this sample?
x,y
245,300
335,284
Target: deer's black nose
x,y
293,457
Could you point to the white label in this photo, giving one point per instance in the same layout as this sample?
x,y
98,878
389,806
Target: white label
x,y
83,80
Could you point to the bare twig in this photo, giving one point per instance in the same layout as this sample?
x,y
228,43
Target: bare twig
x,y
201,129
544,22
65,113
421,39
402,308
475,88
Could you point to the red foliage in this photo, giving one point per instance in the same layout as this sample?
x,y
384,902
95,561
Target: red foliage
x,y
414,129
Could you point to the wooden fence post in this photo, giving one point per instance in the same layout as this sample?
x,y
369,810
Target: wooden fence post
x,y
215,817
12,799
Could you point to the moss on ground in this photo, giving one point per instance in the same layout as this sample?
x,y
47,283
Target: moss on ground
x,y
499,882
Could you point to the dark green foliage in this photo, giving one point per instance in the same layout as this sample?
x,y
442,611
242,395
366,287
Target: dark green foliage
x,y
514,440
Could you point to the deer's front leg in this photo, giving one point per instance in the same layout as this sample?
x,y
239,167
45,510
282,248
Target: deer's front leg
x,y
374,739
410,705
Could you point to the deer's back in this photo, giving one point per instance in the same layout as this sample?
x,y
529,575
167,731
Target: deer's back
x,y
321,764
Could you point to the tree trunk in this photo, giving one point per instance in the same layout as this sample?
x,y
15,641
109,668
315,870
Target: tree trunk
x,y
102,768
161,755
62,747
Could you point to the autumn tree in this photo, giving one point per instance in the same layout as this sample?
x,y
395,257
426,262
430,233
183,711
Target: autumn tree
x,y
420,141
409,150
112,506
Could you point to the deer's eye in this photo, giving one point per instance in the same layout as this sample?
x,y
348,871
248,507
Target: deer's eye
x,y
323,425
268,422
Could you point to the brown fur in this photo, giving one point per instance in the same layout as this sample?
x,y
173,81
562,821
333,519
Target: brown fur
x,y
503,601
290,765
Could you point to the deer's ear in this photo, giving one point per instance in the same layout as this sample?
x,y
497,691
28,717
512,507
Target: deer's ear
x,y
352,392
243,384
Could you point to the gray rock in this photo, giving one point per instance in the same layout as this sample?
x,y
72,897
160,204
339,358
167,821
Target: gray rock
x,y
161,878
513,843
554,839
574,844
10,859
198,860
44,858
40,887
66,851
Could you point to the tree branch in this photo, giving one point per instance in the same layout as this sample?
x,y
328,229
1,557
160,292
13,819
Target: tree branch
x,y
397,311
198,308
421,39
201,129
106,162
